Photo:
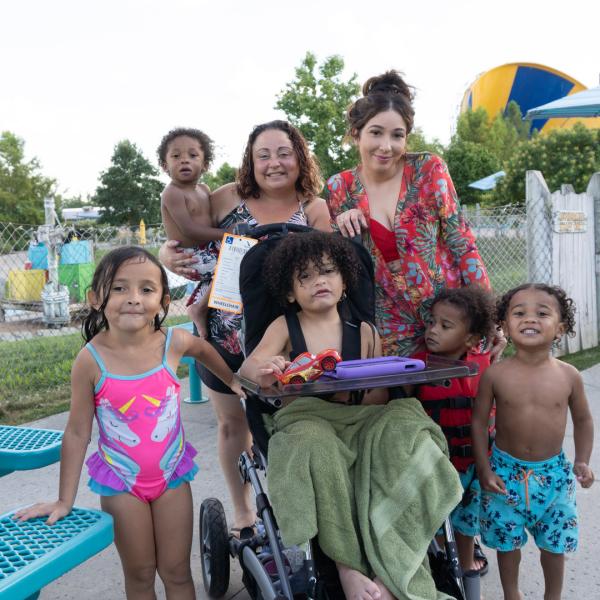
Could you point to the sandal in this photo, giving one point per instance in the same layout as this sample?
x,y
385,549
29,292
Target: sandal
x,y
243,533
480,556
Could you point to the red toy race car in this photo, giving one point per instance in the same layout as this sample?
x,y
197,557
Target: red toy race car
x,y
308,367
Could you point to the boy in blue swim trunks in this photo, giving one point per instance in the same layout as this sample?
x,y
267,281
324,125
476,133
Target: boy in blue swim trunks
x,y
528,483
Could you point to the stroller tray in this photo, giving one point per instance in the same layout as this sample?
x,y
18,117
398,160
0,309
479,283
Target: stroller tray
x,y
437,369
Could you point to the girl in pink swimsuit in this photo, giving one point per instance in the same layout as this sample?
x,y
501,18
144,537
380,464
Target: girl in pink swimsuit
x,y
125,375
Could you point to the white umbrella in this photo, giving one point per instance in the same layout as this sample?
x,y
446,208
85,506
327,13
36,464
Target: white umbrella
x,y
487,183
582,104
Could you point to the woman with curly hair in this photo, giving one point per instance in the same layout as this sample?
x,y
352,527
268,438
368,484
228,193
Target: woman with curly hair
x,y
277,182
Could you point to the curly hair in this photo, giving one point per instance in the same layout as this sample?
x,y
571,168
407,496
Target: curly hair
x,y
477,306
95,320
206,144
293,254
566,305
309,182
381,93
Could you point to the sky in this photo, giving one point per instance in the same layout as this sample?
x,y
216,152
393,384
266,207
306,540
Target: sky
x,y
78,77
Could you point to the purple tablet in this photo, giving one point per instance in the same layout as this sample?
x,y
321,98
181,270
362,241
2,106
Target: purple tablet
x,y
374,367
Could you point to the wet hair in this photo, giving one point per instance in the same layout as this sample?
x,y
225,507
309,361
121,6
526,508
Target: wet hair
x,y
293,254
566,306
95,320
477,306
206,144
309,182
382,93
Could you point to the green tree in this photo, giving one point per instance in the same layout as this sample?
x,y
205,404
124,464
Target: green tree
x,y
129,189
418,142
224,174
22,186
506,131
316,103
563,156
473,126
514,116
482,146
468,162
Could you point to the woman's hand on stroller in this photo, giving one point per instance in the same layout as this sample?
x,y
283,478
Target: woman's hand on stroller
x,y
351,222
270,368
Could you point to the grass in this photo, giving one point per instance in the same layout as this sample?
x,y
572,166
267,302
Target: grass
x,y
35,375
584,359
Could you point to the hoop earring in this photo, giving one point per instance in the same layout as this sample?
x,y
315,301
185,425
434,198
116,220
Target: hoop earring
x,y
343,297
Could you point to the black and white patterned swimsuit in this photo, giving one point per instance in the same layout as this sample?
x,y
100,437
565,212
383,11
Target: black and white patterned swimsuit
x,y
223,327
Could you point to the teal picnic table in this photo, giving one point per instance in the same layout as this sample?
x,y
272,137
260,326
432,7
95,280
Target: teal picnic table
x,y
24,448
32,554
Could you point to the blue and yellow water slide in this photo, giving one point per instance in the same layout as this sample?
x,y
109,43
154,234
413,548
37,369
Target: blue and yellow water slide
x,y
529,85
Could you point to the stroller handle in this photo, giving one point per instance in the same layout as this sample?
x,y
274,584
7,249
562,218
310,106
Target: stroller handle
x,y
283,228
264,230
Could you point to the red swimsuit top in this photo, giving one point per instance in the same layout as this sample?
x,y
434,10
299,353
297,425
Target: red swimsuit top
x,y
385,240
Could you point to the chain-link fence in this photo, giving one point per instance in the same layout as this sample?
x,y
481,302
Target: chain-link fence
x,y
501,233
24,267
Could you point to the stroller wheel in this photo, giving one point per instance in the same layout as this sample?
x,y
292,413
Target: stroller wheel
x,y
214,548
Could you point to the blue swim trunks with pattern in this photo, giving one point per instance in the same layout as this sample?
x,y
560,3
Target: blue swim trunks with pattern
x,y
540,498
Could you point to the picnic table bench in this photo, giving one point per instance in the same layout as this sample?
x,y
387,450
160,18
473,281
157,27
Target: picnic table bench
x,y
24,448
32,554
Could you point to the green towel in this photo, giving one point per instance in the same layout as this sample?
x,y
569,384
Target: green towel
x,y
373,481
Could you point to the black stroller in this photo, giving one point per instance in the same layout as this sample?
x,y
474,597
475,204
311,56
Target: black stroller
x,y
269,569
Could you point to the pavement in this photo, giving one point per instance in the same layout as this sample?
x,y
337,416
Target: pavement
x,y
100,578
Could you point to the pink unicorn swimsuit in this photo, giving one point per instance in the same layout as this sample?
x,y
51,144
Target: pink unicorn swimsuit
x,y
141,448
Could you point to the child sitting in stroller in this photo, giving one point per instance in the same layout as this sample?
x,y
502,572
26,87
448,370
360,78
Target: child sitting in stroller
x,y
312,271
315,439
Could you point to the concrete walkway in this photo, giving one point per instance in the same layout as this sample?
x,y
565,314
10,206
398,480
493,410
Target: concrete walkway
x,y
100,578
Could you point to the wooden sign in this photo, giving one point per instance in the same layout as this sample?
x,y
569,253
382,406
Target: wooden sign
x,y
570,221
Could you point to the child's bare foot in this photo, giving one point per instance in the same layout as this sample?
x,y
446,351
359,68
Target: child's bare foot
x,y
357,586
385,593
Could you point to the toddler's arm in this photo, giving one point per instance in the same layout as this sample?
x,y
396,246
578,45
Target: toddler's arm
x,y
583,431
266,360
479,433
173,201
74,444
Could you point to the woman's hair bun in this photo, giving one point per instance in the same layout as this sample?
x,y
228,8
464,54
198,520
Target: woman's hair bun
x,y
390,82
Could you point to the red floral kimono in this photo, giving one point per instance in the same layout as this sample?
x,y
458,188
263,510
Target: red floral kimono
x,y
435,246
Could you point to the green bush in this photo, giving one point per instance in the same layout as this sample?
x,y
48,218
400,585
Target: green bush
x,y
563,156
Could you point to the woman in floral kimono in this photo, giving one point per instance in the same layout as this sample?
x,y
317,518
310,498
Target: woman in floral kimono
x,y
405,207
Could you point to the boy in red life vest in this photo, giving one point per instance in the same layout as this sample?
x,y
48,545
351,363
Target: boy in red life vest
x,y
460,319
